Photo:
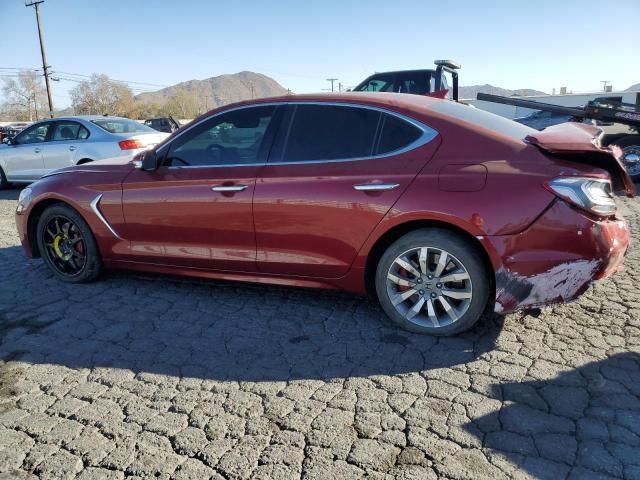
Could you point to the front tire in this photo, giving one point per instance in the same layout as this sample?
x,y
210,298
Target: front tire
x,y
67,245
433,281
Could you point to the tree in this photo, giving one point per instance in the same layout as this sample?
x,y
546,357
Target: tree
x,y
102,96
25,97
184,104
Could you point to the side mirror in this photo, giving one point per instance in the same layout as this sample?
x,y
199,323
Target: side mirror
x,y
150,161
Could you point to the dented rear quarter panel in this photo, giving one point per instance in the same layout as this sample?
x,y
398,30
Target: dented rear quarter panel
x,y
557,257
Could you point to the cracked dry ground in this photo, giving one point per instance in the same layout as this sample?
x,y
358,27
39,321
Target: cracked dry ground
x,y
144,376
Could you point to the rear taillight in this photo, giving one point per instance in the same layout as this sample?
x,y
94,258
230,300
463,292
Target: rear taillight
x,y
131,144
590,194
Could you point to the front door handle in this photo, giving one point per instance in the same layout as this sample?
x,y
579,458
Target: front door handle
x,y
37,150
229,188
72,148
375,187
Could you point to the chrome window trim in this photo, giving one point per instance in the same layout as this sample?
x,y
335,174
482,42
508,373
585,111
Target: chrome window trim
x,y
94,206
428,134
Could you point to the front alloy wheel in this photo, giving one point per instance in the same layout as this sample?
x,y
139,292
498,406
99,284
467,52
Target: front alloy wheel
x,y
67,245
433,281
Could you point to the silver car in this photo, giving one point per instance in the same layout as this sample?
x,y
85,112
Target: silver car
x,y
62,142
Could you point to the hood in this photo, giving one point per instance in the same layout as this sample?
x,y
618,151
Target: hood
x,y
99,166
578,143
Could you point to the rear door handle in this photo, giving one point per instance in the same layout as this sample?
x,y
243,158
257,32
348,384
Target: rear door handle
x,y
72,148
375,187
37,150
229,188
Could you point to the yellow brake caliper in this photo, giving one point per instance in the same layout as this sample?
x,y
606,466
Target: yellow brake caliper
x,y
56,248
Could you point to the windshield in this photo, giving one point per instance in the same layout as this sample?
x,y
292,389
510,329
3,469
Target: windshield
x,y
122,125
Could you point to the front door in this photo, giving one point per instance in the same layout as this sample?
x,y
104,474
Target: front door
x,y
196,209
24,156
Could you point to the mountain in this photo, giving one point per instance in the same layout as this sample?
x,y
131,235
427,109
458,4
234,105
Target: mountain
x,y
633,88
473,90
221,90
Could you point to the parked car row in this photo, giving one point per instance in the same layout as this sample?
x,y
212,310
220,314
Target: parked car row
x,y
439,210
49,144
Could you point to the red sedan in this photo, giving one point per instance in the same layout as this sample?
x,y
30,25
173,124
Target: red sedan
x,y
440,210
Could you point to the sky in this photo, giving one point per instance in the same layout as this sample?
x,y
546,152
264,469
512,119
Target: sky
x,y
539,44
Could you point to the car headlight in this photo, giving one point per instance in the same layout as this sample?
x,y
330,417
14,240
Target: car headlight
x,y
24,199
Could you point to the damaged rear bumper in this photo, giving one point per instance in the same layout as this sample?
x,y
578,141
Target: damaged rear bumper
x,y
556,258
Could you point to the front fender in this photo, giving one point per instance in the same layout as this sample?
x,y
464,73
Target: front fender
x,y
78,193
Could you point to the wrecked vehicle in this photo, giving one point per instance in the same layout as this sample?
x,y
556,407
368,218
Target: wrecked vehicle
x,y
440,210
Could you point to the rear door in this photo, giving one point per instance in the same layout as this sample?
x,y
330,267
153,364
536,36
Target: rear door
x,y
66,138
23,159
334,172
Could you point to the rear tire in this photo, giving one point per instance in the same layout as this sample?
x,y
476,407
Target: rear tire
x,y
437,281
67,245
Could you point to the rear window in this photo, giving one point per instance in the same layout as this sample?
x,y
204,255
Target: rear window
x,y
122,125
484,119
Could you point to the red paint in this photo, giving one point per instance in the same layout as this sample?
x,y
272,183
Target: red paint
x,y
304,224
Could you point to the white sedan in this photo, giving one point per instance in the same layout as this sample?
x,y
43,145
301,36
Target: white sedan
x,y
56,143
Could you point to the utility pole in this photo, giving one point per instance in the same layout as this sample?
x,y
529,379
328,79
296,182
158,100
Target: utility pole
x,y
45,67
604,84
332,80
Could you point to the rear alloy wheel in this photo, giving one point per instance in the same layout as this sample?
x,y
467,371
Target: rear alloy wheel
x,y
67,245
432,281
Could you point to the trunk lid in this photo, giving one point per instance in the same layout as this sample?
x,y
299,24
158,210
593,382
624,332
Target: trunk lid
x,y
577,142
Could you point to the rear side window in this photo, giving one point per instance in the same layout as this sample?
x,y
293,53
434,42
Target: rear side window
x,y
65,130
396,134
329,132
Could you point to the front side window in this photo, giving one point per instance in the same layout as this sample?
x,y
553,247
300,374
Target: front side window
x,y
328,132
377,83
232,138
65,130
35,134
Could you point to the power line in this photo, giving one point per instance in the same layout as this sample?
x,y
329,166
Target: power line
x,y
84,76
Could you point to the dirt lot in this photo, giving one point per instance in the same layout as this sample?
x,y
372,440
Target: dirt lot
x,y
142,376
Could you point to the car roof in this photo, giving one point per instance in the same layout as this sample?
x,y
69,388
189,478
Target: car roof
x,y
90,117
391,101
403,71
